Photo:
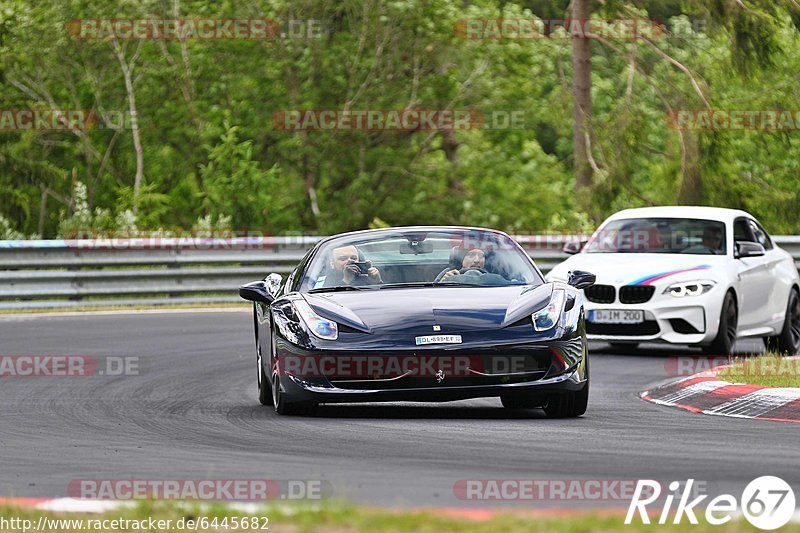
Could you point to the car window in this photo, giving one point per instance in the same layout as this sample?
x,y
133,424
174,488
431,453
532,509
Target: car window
x,y
292,282
741,232
659,235
288,285
394,258
761,236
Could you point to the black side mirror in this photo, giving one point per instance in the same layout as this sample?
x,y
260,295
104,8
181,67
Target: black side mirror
x,y
580,279
256,292
747,249
573,247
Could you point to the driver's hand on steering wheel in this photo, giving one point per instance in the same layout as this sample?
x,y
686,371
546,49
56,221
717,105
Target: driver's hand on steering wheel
x,y
450,273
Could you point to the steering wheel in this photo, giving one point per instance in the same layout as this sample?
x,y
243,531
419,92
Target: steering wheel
x,y
474,272
471,271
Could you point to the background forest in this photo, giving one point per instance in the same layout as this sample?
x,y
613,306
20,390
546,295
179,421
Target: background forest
x,y
204,151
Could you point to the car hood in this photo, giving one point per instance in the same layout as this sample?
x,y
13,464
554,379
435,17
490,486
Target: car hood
x,y
634,269
455,309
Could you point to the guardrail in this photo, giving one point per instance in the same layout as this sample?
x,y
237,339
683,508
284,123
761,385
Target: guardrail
x,y
157,271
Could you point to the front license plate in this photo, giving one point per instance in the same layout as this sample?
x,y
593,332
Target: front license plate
x,y
438,339
616,316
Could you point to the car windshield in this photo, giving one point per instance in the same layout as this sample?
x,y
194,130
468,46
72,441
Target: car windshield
x,y
659,235
402,258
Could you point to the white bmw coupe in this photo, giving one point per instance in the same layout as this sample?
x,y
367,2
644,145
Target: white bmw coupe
x,y
701,276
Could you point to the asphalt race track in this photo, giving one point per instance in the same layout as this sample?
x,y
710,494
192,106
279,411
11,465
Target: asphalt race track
x,y
192,413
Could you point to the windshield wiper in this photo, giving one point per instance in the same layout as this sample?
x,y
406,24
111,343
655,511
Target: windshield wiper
x,y
339,288
413,284
430,284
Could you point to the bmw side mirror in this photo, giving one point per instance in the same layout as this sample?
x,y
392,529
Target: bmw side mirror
x,y
256,291
580,279
573,247
747,249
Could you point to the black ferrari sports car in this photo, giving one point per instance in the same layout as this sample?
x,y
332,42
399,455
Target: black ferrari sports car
x,y
420,314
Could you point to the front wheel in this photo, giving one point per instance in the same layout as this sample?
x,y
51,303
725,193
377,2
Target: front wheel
x,y
567,405
285,406
264,389
264,392
726,336
788,341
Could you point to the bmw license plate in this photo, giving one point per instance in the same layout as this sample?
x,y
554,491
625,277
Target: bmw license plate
x,y
438,339
616,316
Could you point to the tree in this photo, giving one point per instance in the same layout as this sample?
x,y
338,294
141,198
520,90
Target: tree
x,y
582,105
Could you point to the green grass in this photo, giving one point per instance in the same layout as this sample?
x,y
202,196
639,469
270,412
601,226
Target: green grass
x,y
343,518
770,370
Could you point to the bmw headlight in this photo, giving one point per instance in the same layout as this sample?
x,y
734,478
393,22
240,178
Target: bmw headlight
x,y
320,327
546,318
689,288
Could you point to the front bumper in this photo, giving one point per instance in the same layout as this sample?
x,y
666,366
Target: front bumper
x,y
302,390
687,320
327,376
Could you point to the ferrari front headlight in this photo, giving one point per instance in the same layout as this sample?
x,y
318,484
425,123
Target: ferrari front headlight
x,y
689,288
320,327
548,317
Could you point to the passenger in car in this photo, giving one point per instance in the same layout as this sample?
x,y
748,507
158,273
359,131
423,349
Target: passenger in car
x,y
348,268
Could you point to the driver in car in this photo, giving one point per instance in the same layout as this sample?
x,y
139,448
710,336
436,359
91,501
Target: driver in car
x,y
475,259
712,238
347,270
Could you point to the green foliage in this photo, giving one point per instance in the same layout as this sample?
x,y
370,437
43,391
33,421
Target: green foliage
x,y
214,159
238,190
208,227
85,223
7,232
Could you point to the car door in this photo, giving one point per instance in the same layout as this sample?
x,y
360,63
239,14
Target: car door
x,y
754,280
774,289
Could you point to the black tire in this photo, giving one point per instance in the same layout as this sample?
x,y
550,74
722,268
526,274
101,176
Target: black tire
x,y
264,391
567,405
788,341
285,406
264,385
726,336
521,402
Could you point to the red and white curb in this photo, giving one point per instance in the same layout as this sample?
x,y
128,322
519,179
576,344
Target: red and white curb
x,y
704,393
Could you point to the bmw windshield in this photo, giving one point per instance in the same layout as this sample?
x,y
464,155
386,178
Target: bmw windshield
x,y
404,258
659,235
